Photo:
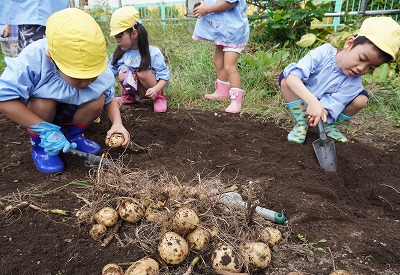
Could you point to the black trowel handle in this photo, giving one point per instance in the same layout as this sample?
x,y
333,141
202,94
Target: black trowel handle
x,y
82,155
321,130
91,160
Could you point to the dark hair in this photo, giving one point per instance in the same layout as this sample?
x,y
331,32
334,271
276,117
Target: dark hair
x,y
359,40
143,44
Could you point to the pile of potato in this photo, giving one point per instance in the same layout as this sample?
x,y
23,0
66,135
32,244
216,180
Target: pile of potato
x,y
185,233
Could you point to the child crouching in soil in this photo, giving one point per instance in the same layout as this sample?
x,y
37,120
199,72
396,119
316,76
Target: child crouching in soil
x,y
63,79
327,83
140,68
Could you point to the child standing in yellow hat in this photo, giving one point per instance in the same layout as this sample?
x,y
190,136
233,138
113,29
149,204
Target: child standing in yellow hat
x,y
326,83
58,85
140,68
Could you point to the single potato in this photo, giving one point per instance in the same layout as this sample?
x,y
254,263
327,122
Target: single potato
x,y
107,216
112,269
185,220
257,255
115,140
271,236
131,210
145,266
224,258
198,239
172,248
97,231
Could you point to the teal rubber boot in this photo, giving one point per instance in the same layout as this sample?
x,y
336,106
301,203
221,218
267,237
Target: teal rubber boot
x,y
298,110
333,132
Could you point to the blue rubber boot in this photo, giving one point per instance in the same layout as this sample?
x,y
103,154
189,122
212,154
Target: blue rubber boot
x,y
298,110
44,163
333,132
74,133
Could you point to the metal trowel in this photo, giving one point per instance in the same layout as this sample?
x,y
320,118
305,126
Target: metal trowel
x,y
235,199
90,160
324,148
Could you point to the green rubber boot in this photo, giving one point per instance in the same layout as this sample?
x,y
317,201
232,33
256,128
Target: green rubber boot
x,y
333,132
298,110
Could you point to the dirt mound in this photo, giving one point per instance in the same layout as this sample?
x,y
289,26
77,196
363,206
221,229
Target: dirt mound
x,y
356,209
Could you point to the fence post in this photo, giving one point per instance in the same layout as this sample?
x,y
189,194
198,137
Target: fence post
x,y
336,20
363,7
162,11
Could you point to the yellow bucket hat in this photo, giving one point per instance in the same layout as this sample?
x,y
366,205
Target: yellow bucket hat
x,y
123,19
76,43
384,32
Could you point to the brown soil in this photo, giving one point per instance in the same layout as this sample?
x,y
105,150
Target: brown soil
x,y
356,209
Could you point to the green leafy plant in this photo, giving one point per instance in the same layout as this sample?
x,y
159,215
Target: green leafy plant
x,y
286,20
263,60
385,73
310,247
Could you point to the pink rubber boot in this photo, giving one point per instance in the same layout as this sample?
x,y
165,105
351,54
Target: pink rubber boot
x,y
127,97
221,91
236,95
160,104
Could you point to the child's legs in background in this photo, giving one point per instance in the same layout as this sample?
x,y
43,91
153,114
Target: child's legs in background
x,y
228,79
219,63
28,34
225,62
231,56
230,68
222,86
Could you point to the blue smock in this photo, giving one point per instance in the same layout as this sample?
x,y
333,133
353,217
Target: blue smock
x,y
33,74
229,28
29,12
323,78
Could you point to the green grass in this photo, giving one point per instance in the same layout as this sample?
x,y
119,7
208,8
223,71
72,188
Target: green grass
x,y
2,63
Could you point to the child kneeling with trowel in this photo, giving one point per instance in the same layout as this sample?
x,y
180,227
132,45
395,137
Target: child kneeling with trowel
x,y
62,79
326,83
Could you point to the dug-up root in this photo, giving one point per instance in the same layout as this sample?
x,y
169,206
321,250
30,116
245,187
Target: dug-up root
x,y
112,234
164,192
134,147
12,207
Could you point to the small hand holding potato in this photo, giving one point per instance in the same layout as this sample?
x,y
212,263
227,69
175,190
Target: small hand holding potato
x,y
115,140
